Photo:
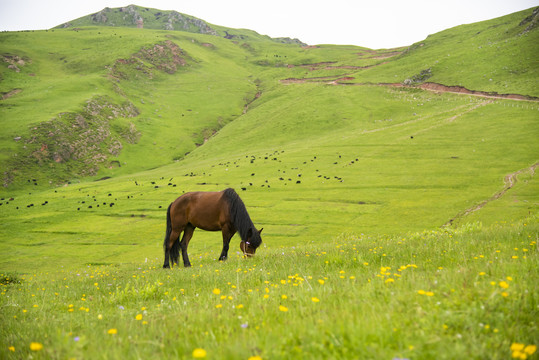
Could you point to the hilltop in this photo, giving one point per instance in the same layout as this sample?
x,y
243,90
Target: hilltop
x,y
133,16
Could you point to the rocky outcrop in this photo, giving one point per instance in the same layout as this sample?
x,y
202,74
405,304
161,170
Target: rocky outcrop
x,y
100,17
15,62
531,21
177,21
133,16
165,56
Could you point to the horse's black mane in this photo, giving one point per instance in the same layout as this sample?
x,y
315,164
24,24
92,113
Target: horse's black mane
x,y
240,218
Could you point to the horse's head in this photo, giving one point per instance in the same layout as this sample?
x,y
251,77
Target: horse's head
x,y
253,242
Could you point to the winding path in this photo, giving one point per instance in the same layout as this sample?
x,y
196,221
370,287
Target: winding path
x,y
509,181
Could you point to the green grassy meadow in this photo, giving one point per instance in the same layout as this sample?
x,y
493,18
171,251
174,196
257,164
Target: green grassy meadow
x,y
469,293
399,223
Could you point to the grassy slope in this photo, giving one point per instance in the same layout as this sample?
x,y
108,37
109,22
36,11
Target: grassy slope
x,y
165,97
489,56
397,184
369,159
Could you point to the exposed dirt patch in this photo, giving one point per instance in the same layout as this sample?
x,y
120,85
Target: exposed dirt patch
x,y
429,86
7,95
380,54
323,79
15,62
165,56
462,90
327,66
75,144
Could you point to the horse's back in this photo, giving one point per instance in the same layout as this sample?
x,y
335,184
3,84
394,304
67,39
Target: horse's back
x,y
205,210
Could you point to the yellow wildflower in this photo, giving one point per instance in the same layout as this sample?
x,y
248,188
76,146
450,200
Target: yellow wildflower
x,y
35,346
112,331
530,349
283,308
199,353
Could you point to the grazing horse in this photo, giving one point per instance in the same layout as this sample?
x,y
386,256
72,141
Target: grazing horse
x,y
211,211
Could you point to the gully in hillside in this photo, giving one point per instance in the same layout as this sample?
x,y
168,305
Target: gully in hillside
x,y
211,211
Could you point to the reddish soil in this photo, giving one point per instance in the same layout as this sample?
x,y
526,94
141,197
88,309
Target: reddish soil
x,y
429,86
462,90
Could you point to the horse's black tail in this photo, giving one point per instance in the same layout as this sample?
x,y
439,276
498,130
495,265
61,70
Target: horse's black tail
x,y
175,250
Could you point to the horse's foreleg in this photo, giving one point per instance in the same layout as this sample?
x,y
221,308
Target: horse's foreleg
x,y
227,235
187,235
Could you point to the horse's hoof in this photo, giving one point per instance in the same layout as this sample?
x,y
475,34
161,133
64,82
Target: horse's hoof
x,y
166,266
187,265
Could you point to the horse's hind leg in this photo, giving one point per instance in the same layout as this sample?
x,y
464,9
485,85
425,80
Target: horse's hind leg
x,y
172,249
187,235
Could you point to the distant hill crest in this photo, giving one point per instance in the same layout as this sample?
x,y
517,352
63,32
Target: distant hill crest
x,y
141,17
134,16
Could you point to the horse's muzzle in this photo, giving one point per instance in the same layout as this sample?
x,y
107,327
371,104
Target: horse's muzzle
x,y
247,250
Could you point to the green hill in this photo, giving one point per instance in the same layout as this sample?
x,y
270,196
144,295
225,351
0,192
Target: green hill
x,y
321,139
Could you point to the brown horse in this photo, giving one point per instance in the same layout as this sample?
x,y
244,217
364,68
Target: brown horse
x,y
211,211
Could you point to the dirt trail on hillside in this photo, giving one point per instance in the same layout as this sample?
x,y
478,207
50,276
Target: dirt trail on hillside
x,y
462,90
509,180
429,86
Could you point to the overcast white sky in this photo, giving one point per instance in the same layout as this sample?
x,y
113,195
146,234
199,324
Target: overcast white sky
x,y
374,23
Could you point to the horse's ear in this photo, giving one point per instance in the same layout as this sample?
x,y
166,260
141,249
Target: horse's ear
x,y
260,231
